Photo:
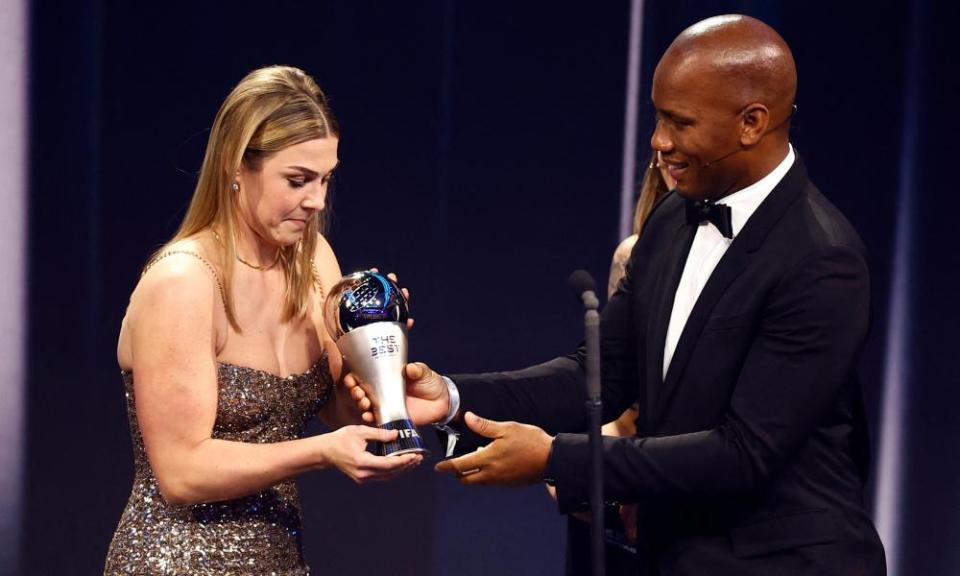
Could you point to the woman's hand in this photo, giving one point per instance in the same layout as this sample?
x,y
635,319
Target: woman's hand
x,y
346,449
404,291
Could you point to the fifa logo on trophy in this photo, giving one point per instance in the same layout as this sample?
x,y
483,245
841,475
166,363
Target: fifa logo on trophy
x,y
366,315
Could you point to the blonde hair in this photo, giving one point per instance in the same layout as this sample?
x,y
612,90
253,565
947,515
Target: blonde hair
x,y
271,109
652,189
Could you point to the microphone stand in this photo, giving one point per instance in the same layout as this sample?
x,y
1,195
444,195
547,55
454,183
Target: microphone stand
x,y
594,407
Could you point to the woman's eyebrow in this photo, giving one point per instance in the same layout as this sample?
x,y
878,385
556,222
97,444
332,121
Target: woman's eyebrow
x,y
305,171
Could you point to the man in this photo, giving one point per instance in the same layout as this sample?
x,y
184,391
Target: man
x,y
737,328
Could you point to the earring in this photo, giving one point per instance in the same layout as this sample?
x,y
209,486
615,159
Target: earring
x,y
236,187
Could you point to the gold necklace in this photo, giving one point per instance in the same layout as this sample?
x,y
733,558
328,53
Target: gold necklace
x,y
259,267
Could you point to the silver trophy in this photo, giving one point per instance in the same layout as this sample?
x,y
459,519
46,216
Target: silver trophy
x,y
366,315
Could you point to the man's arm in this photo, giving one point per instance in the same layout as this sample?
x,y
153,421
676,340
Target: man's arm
x,y
810,336
551,395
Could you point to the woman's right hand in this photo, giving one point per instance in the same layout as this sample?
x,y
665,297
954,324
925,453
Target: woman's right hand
x,y
346,449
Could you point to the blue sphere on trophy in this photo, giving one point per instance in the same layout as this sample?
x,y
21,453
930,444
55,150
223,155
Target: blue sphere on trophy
x,y
366,315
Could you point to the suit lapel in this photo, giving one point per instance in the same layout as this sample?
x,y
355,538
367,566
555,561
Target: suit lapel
x,y
733,263
662,301
729,267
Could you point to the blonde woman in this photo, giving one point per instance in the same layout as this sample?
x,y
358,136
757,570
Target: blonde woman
x,y
224,356
655,185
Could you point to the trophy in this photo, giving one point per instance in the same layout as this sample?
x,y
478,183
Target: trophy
x,y
366,315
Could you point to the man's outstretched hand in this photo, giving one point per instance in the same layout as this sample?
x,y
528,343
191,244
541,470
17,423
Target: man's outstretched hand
x,y
517,456
427,397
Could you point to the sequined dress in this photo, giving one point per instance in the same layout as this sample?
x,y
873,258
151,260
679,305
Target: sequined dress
x,y
254,535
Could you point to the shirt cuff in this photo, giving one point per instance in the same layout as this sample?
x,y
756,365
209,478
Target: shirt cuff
x,y
448,435
454,395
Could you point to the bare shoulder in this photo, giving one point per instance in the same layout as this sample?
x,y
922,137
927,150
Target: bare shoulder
x,y
173,306
618,266
622,253
182,276
175,282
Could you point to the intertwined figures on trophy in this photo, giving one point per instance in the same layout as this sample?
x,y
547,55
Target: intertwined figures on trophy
x,y
366,315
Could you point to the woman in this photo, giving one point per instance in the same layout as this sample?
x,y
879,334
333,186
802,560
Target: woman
x,y
655,185
223,352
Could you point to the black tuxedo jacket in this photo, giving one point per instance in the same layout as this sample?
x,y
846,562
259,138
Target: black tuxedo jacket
x,y
750,454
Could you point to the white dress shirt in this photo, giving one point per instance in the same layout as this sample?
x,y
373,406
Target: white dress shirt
x,y
709,245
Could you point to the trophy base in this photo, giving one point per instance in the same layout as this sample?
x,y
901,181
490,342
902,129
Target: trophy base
x,y
408,440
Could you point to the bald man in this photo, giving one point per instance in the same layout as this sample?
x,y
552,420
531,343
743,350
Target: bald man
x,y
737,328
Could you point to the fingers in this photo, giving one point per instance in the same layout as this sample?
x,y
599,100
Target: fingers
x,y
464,465
371,434
449,466
404,291
484,427
376,468
358,394
416,370
388,463
383,468
393,276
350,381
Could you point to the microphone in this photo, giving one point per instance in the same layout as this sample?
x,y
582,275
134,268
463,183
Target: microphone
x,y
584,287
724,157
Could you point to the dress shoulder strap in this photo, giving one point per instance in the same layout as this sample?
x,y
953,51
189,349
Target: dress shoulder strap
x,y
204,261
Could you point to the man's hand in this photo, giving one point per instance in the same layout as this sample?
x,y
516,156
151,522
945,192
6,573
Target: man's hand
x,y
516,457
427,397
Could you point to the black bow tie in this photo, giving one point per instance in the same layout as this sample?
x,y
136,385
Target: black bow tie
x,y
709,211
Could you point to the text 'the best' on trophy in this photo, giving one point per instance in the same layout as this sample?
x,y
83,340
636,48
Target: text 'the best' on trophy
x,y
366,315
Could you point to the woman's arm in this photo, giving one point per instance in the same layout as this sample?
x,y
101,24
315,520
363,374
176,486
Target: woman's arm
x,y
174,362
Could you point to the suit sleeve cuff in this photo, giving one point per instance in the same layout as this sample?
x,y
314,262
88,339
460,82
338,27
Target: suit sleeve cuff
x,y
569,459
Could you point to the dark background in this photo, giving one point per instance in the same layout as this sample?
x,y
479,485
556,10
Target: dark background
x,y
480,159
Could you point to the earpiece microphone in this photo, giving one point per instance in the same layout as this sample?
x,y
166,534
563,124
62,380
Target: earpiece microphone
x,y
724,157
793,110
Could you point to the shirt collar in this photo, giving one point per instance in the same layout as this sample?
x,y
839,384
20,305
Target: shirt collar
x,y
744,202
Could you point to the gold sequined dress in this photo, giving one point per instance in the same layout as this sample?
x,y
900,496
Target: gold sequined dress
x,y
254,535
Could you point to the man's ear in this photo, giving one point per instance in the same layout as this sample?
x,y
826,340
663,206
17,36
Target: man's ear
x,y
756,118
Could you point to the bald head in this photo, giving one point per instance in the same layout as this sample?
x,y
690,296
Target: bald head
x,y
743,58
724,95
